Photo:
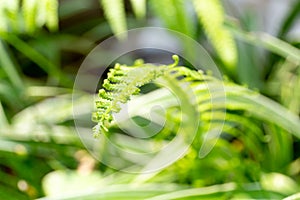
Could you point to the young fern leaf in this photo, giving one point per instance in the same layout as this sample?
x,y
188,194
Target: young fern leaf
x,y
123,82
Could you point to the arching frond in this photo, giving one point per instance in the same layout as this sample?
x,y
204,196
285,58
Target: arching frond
x,y
243,113
123,82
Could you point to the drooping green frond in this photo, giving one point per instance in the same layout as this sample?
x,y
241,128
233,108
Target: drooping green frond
x,y
51,14
238,98
34,14
212,106
47,14
200,109
115,13
123,82
211,16
29,9
9,15
139,8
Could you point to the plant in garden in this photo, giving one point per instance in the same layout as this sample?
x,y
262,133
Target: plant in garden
x,y
244,123
41,154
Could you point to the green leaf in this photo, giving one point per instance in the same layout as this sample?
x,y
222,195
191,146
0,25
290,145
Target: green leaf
x,y
269,42
197,192
290,19
279,183
36,57
52,14
9,15
8,66
122,82
211,15
120,192
30,9
115,13
3,119
34,14
293,197
139,8
262,108
61,183
237,98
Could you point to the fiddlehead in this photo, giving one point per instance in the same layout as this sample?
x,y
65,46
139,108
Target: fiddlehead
x,y
123,82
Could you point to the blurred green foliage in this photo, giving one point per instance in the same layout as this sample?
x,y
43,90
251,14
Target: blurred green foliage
x,y
42,44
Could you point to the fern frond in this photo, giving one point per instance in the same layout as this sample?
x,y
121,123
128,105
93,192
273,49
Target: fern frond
x,y
211,16
9,14
139,8
34,14
41,15
51,21
122,82
3,24
47,14
29,9
115,13
242,115
253,105
238,98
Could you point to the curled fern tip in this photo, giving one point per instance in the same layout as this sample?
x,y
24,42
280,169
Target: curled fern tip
x,y
176,60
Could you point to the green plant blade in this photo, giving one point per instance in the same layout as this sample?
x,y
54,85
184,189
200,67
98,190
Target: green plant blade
x,y
9,67
269,42
36,57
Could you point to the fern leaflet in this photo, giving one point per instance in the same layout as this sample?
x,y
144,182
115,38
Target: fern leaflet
x,y
139,8
115,14
123,82
211,16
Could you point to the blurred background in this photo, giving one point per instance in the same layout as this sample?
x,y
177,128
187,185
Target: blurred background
x,y
42,46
